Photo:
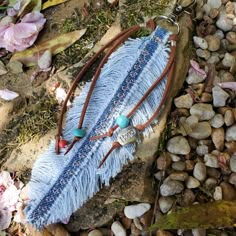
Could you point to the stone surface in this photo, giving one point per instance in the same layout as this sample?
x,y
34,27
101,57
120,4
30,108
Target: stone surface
x,y
214,3
211,161
218,195
201,131
217,121
178,145
163,233
133,211
184,101
163,161
201,150
180,176
199,232
211,183
205,54
218,138
199,171
188,198
228,60
200,42
118,229
95,232
191,182
165,203
232,163
203,111
224,23
213,42
232,179
231,133
171,187
179,166
229,192
228,118
219,96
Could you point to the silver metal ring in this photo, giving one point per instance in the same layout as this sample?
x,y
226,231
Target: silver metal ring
x,y
170,21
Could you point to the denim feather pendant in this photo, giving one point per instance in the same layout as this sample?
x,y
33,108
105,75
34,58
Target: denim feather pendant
x,y
61,184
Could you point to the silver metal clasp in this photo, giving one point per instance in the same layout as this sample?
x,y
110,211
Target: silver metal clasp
x,y
179,10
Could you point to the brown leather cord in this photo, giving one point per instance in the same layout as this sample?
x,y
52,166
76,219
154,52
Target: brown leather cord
x,y
96,76
170,62
114,146
169,68
77,79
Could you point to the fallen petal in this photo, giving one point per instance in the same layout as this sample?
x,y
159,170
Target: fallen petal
x,y
35,18
5,218
45,60
8,95
5,178
196,69
228,85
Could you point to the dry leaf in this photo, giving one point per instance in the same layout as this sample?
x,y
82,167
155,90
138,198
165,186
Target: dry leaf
x,y
51,3
29,57
29,6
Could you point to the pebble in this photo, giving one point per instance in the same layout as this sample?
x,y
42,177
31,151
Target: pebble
x,y
205,54
137,223
171,187
232,179
194,78
201,131
220,34
180,176
200,42
178,145
224,23
134,230
201,150
217,121
231,146
210,183
184,101
174,157
118,229
203,111
231,37
231,133
213,172
218,195
189,165
192,121
163,233
219,96
3,69
165,203
163,161
228,118
213,43
214,3
137,210
218,138
229,8
192,183
179,166
228,60
213,59
95,232
211,161
213,13
207,97
229,193
199,232
232,163
199,171
188,197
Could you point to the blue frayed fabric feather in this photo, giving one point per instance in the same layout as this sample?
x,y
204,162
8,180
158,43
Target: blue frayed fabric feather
x,y
61,184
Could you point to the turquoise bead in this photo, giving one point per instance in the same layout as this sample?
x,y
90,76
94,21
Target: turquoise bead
x,y
122,121
79,133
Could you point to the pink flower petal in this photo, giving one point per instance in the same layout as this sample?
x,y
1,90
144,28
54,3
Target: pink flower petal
x,y
24,30
5,178
8,95
228,85
35,18
5,218
196,69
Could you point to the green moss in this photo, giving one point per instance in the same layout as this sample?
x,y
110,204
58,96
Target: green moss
x,y
39,118
97,23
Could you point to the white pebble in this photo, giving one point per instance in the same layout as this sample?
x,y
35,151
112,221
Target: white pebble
x,y
231,133
218,195
228,60
118,229
200,42
133,211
